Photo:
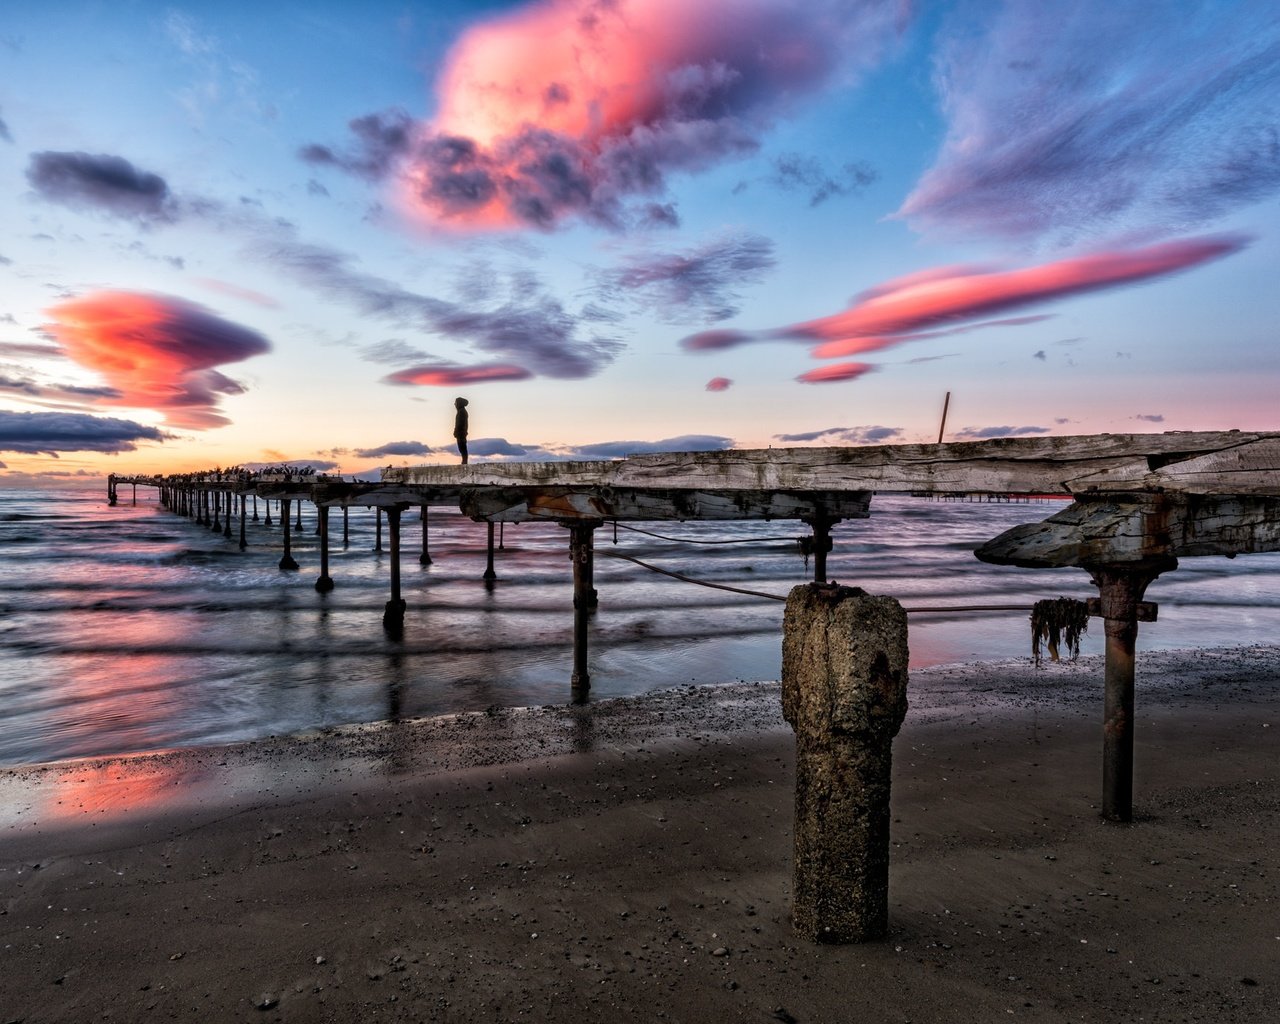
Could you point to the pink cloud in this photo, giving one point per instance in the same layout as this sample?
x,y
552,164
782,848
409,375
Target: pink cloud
x,y
836,371
156,352
450,376
574,106
719,384
935,303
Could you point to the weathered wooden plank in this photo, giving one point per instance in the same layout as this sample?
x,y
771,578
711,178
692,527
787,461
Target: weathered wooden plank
x,y
1021,465
1247,468
511,504
1140,529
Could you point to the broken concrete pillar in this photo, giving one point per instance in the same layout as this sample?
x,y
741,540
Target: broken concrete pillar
x,y
844,692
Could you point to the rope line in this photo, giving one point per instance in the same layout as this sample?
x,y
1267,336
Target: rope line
x,y
689,540
776,597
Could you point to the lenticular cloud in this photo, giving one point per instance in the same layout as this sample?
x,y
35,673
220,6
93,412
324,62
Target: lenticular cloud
x,y
574,106
158,352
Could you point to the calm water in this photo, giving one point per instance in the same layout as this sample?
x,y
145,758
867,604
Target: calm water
x,y
132,629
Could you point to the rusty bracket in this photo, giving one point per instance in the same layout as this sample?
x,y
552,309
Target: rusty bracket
x,y
1147,610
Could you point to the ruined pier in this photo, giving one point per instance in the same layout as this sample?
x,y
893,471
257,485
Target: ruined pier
x,y
1139,503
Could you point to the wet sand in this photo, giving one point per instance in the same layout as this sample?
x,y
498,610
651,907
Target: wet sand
x,y
630,860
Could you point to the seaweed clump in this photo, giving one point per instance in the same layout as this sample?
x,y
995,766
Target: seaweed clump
x,y
1056,621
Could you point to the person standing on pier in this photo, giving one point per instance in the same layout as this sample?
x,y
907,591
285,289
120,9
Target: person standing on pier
x,y
460,427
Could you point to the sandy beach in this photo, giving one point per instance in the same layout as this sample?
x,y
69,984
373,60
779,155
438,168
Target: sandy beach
x,y
630,860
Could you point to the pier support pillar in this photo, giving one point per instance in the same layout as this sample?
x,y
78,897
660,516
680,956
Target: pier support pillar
x,y
244,501
346,533
819,544
267,521
325,583
231,504
111,489
377,536
298,524
425,557
393,614
844,692
135,493
1120,590
286,560
489,574
582,555
255,508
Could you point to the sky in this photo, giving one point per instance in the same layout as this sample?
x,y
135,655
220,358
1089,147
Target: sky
x,y
249,234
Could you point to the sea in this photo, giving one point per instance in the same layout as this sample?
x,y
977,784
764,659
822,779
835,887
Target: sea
x,y
131,629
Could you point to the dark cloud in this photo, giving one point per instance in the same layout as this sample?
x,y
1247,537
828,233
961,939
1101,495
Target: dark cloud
x,y
701,284
110,184
530,330
848,435
1040,355
719,384
381,140
486,447
986,433
684,443
1171,123
1150,417
395,448
4,131
48,433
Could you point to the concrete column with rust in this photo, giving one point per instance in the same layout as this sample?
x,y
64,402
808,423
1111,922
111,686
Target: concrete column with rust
x,y
844,692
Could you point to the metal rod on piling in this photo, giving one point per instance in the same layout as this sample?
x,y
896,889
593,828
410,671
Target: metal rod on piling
x,y
1120,589
393,614
286,560
946,402
325,582
582,555
489,574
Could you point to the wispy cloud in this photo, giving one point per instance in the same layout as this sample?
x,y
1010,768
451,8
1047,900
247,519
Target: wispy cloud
x,y
1150,417
449,375
701,284
986,433
719,384
48,433
156,352
835,372
847,435
795,172
528,329
1098,116
683,443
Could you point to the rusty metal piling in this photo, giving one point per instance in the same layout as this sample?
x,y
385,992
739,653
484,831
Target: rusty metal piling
x,y
1120,590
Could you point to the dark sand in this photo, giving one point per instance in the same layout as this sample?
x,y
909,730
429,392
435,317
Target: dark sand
x,y
630,861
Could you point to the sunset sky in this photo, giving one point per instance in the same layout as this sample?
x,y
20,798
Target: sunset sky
x,y
243,233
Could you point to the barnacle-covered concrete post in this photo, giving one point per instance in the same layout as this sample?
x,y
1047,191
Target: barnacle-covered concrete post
x,y
844,692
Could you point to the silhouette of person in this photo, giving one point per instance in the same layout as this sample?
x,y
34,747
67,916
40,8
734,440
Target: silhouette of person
x,y
460,427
